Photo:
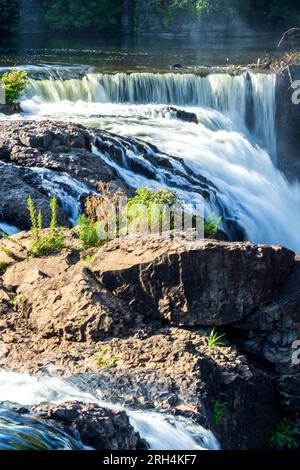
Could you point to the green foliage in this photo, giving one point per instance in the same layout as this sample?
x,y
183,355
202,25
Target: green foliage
x,y
148,206
214,340
82,14
274,12
51,242
107,359
149,197
211,226
14,84
19,302
284,435
3,267
8,14
88,233
88,260
220,411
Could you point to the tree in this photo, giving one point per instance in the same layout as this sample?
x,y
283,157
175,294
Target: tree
x,y
83,14
8,14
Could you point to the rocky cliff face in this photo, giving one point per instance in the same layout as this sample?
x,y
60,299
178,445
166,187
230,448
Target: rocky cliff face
x,y
288,122
121,336
133,318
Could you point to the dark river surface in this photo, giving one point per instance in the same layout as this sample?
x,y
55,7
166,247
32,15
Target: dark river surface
x,y
111,52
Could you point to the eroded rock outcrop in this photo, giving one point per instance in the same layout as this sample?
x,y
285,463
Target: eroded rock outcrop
x,y
57,146
108,322
62,298
190,282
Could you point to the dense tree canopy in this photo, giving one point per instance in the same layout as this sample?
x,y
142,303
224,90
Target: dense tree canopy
x,y
278,12
83,14
8,14
101,14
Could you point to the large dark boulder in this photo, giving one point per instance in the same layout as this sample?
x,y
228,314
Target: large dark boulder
x,y
99,428
185,282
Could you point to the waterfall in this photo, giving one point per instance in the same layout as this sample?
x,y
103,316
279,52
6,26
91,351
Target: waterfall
x,y
220,91
66,189
8,229
233,146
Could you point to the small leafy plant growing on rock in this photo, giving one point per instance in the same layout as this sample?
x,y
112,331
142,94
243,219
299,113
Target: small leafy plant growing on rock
x,y
211,226
4,267
14,84
19,302
107,359
88,233
214,340
220,411
284,435
44,244
147,204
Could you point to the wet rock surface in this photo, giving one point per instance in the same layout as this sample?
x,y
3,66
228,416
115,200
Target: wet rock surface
x,y
14,193
98,427
60,148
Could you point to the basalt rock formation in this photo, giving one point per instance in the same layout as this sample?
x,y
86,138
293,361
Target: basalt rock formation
x,y
59,148
192,283
99,428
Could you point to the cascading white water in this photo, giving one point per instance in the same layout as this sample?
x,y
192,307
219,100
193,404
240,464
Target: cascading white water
x,y
67,190
8,229
250,190
222,92
161,431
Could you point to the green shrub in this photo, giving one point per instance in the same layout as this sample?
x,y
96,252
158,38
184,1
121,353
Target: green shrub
x,y
220,411
14,84
211,226
19,303
150,204
88,233
284,435
51,242
214,340
3,267
107,359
